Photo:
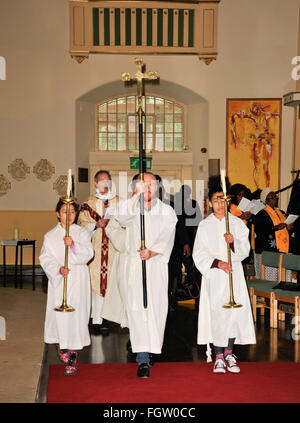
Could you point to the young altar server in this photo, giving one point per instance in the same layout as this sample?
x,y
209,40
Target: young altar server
x,y
146,325
68,330
223,327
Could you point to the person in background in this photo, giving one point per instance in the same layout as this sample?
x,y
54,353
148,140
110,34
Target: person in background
x,y
91,217
272,233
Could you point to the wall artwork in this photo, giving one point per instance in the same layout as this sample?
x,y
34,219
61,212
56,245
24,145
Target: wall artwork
x,y
5,185
19,169
43,170
253,142
60,185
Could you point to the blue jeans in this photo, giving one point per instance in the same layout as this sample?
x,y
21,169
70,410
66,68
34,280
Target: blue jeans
x,y
142,357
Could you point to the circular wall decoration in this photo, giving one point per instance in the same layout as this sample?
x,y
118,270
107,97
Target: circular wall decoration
x,y
43,170
60,185
5,185
18,169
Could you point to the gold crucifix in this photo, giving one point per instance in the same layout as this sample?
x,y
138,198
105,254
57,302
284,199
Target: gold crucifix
x,y
139,76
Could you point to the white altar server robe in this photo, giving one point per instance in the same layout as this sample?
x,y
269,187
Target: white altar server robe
x,y
215,323
70,329
147,326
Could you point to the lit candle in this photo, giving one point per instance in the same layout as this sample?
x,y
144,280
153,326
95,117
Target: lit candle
x,y
16,233
69,182
223,181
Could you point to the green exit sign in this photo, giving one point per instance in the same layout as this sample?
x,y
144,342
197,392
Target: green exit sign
x,y
135,162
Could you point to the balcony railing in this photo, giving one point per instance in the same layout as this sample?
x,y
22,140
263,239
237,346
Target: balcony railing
x,y
147,27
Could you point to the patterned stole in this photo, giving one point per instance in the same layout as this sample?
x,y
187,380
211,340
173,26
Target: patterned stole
x,y
104,246
281,236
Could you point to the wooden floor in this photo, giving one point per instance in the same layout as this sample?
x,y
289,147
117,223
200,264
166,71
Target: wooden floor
x,y
179,345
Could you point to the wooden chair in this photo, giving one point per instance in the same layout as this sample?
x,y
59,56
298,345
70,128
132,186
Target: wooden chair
x,y
288,301
262,295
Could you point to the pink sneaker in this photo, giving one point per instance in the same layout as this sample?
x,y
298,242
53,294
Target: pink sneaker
x,y
63,355
71,368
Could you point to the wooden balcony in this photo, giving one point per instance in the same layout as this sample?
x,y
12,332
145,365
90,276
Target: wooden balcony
x,y
145,27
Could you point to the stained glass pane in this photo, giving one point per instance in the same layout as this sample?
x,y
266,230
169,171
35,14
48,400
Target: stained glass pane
x,y
149,104
159,105
168,107
131,108
117,119
149,123
102,108
169,118
131,123
112,127
102,127
178,142
112,117
159,142
121,142
168,142
149,141
132,142
112,106
177,127
177,109
102,141
102,117
112,141
159,127
121,105
178,118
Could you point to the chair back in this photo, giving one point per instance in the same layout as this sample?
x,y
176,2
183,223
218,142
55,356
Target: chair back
x,y
271,259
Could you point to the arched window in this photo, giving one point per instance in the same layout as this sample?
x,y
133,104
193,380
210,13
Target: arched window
x,y
117,124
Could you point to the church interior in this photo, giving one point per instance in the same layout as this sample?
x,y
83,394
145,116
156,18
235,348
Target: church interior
x,y
64,105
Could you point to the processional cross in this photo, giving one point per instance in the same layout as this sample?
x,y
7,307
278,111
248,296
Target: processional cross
x,y
140,77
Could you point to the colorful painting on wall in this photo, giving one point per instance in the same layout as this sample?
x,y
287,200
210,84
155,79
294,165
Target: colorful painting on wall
x,y
253,142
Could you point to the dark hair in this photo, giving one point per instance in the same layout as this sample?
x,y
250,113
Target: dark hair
x,y
235,190
214,185
136,178
99,173
256,194
74,204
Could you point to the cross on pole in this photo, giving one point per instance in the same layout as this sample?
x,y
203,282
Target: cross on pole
x,y
139,77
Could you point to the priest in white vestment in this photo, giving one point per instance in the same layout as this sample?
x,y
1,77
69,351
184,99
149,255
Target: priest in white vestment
x,y
146,325
91,217
220,326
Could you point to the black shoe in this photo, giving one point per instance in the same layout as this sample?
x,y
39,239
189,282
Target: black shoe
x,y
104,327
128,346
143,370
151,362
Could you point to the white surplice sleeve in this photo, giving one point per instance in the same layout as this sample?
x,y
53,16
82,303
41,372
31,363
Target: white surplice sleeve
x,y
201,255
164,244
83,251
241,241
125,212
50,264
116,234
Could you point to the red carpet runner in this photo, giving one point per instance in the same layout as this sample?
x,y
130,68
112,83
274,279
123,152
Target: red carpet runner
x,y
276,382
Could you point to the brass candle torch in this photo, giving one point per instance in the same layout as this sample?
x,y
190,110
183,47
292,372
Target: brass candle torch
x,y
231,303
64,307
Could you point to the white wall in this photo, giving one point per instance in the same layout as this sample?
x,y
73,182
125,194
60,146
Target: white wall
x,y
257,40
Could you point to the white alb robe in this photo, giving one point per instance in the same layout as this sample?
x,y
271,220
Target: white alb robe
x,y
147,326
114,302
70,329
215,323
